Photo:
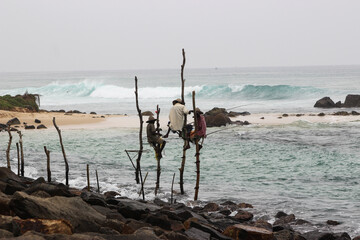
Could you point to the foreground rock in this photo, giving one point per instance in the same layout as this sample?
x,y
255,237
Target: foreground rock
x,y
81,216
35,209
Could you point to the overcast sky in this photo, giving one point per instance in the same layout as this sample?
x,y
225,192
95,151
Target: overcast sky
x,y
63,35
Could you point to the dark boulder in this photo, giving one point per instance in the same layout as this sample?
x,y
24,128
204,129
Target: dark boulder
x,y
288,235
352,101
93,113
215,111
93,198
235,114
147,113
4,204
5,234
342,113
332,222
281,214
316,235
81,216
325,102
213,233
355,113
21,226
285,220
53,189
37,121
13,121
134,209
29,127
217,120
41,126
211,207
3,126
246,232
243,216
195,233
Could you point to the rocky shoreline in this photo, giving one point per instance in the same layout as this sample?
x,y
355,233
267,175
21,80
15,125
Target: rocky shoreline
x,y
36,209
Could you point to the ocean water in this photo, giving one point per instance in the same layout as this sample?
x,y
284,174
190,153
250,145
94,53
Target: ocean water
x,y
311,170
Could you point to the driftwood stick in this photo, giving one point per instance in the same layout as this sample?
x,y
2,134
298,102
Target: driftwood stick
x,y
88,177
8,148
47,152
21,153
18,157
63,151
197,150
172,189
182,168
97,181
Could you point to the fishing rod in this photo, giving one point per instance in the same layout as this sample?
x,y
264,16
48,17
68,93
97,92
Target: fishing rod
x,y
245,105
220,130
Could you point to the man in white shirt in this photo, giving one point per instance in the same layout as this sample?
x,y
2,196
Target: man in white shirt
x,y
176,117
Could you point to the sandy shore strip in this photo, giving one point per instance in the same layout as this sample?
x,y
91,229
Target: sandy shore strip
x,y
89,121
269,119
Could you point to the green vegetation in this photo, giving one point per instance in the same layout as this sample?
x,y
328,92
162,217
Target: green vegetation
x,y
27,101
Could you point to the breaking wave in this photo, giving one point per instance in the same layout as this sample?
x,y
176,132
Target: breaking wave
x,y
96,89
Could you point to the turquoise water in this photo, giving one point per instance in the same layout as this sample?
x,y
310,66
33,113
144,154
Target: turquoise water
x,y
311,170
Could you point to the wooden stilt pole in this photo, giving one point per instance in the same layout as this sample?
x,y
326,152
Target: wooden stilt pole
x,y
63,151
88,177
18,156
97,181
172,189
158,152
197,150
21,153
8,148
47,152
142,186
138,168
182,168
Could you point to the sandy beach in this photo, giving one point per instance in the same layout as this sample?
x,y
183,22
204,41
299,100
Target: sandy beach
x,y
89,121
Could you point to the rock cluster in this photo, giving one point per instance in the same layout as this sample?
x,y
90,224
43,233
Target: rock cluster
x,y
39,210
351,101
16,122
218,117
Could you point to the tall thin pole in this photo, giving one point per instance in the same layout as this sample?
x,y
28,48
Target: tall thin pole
x,y
197,150
182,168
157,150
63,151
138,168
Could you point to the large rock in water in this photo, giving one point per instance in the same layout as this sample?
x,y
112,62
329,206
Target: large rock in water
x,y
325,102
217,120
352,101
81,216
